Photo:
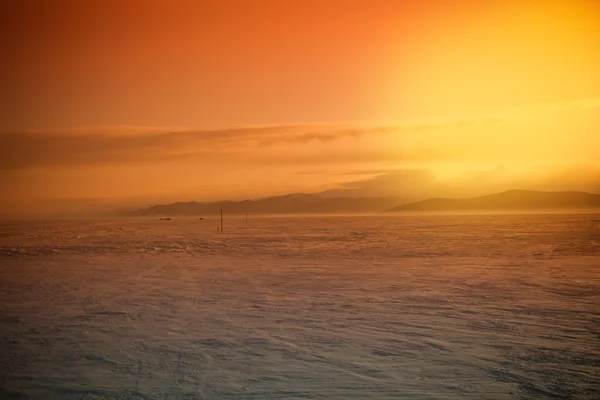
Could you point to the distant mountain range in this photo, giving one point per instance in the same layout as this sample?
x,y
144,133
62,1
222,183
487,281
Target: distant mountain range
x,y
287,204
316,204
509,200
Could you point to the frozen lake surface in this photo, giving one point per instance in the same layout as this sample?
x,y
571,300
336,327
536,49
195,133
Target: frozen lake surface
x,y
381,307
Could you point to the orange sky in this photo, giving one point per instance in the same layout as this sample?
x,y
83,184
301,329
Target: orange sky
x,y
177,100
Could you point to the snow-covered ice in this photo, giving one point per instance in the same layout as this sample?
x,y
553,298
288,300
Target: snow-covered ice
x,y
371,307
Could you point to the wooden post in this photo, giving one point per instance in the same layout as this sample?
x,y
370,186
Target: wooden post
x,y
246,219
221,220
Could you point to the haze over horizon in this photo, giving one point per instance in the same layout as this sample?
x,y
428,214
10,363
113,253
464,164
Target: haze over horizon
x,y
143,102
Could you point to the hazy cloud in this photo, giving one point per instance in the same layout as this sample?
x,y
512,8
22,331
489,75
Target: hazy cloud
x,y
130,144
423,183
368,172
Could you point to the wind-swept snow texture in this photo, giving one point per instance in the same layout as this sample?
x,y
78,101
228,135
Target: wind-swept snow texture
x,y
392,307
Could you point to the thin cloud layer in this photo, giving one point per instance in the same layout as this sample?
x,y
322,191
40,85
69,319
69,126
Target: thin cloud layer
x,y
433,141
130,144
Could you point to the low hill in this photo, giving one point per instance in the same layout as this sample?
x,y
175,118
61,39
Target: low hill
x,y
510,200
288,204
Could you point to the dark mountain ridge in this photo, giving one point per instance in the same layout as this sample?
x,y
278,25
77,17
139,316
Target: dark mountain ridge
x,y
316,204
509,200
286,204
